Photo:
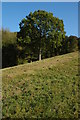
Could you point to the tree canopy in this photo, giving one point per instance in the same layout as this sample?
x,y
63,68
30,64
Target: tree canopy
x,y
40,33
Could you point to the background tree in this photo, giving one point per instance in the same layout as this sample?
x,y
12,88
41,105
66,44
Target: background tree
x,y
79,44
9,48
69,44
73,43
40,30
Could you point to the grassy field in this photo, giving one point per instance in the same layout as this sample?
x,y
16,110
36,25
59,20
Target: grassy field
x,y
45,89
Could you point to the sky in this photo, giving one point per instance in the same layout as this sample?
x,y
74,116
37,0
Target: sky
x,y
14,12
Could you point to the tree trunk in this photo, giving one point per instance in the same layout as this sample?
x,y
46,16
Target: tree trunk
x,y
40,54
40,46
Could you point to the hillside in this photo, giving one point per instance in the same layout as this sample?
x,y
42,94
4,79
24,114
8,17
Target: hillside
x,y
42,89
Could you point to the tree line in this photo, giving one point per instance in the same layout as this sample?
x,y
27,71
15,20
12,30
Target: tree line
x,y
41,36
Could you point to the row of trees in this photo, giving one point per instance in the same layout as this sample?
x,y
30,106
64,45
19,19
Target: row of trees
x,y
13,54
41,36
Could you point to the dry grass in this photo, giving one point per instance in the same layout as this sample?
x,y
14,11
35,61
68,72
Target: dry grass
x,y
42,89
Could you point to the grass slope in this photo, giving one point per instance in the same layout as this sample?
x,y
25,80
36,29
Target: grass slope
x,y
42,89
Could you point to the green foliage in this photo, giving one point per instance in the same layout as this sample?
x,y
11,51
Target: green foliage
x,y
9,48
73,43
40,30
79,44
8,37
45,89
70,44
